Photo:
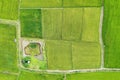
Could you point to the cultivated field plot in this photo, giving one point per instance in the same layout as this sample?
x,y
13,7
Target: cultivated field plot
x,y
78,3
69,24
40,3
8,77
91,24
72,23
9,9
59,54
52,23
39,76
94,76
8,50
31,25
86,55
111,34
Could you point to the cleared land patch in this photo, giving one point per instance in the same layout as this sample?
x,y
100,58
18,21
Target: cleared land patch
x,y
59,54
52,23
91,24
9,9
94,76
72,23
39,76
31,25
78,3
86,55
40,3
8,50
8,77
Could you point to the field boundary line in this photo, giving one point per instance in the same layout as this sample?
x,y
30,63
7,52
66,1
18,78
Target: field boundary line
x,y
11,22
100,37
60,7
83,11
11,73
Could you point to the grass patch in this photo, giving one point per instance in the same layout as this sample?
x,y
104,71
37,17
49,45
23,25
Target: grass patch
x,y
52,23
58,54
91,24
111,33
39,76
40,3
94,76
9,9
72,23
7,77
31,25
86,55
8,50
78,3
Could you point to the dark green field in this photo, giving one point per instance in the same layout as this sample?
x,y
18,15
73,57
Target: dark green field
x,y
111,33
8,49
31,25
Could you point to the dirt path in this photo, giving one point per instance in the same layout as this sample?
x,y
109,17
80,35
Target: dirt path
x,y
100,37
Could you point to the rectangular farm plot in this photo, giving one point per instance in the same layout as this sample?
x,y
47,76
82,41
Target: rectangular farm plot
x,y
39,76
79,3
94,76
40,3
31,25
52,23
91,24
59,55
86,55
8,77
9,9
8,50
72,23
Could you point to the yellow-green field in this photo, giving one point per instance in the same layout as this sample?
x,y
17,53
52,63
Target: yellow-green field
x,y
86,55
72,23
59,55
52,23
8,50
91,24
40,3
7,77
9,9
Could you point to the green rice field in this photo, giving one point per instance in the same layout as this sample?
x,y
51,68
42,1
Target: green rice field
x,y
86,55
8,50
58,54
39,76
52,23
94,76
7,76
59,39
40,3
9,9
111,34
